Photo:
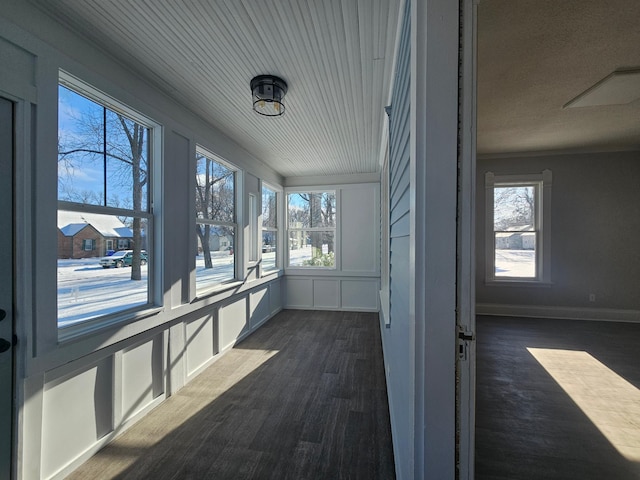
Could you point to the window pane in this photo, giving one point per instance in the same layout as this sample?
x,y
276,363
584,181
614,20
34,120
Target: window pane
x,y
269,250
311,248
80,147
215,186
514,208
90,286
127,147
515,254
311,210
269,208
89,173
215,261
515,231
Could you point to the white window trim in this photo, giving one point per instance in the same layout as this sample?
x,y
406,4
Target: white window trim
x,y
152,215
238,241
543,220
336,230
277,229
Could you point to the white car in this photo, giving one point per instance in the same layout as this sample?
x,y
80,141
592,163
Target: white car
x,y
122,258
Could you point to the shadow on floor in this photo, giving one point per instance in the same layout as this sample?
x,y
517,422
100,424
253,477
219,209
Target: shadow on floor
x,y
303,397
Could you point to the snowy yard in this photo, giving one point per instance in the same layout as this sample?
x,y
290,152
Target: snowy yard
x,y
86,290
516,263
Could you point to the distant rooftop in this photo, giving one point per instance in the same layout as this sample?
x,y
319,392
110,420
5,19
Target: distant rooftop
x,y
70,223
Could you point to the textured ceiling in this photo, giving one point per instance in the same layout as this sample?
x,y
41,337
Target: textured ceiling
x,y
335,55
535,56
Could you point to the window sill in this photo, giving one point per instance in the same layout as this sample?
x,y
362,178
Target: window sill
x,y
518,283
220,288
97,325
270,273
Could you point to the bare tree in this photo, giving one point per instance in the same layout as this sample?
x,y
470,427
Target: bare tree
x,y
214,201
514,207
318,211
120,145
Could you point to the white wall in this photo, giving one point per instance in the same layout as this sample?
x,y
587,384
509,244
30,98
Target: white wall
x,y
595,221
355,282
420,340
75,395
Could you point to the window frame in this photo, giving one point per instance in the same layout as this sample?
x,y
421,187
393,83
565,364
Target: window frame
x,y
334,229
151,213
278,194
213,288
88,244
542,183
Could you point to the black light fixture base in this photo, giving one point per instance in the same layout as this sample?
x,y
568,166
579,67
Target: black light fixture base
x,y
268,93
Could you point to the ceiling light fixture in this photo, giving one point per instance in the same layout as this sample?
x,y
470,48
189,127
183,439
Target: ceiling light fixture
x,y
268,92
618,88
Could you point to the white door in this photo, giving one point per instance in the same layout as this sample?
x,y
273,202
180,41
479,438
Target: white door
x,y
6,287
466,246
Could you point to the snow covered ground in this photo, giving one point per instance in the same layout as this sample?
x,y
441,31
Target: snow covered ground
x,y
86,290
516,263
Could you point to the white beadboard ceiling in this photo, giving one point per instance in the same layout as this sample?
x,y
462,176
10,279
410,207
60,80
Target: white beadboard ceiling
x,y
335,55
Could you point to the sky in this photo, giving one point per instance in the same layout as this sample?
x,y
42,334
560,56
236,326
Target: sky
x,y
81,175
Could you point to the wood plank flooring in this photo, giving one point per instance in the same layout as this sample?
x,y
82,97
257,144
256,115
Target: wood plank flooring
x,y
302,398
557,400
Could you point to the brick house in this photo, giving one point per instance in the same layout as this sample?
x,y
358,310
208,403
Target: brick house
x,y
86,235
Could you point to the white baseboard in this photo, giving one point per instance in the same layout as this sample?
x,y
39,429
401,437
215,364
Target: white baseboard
x,y
565,313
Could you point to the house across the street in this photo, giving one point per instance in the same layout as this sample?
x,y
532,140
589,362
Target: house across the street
x,y
85,235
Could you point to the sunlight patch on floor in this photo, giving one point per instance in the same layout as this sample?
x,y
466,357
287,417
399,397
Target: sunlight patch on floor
x,y
610,402
187,402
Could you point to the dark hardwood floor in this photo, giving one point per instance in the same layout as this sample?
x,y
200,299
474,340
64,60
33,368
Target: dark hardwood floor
x,y
302,398
557,400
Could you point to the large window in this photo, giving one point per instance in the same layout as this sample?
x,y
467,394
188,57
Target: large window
x,y
104,174
215,221
269,229
311,229
517,225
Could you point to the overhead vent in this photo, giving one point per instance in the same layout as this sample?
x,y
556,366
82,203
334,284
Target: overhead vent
x,y
619,88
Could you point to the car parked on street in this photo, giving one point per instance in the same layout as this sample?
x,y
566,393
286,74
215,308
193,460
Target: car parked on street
x,y
122,258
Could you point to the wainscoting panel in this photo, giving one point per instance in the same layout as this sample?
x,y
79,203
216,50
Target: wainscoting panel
x,y
199,342
275,296
86,396
360,294
233,322
332,293
299,292
142,376
259,310
326,293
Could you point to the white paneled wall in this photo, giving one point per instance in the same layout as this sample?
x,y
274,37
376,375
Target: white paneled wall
x,y
84,406
199,342
359,294
77,412
234,322
355,282
259,307
340,293
142,376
